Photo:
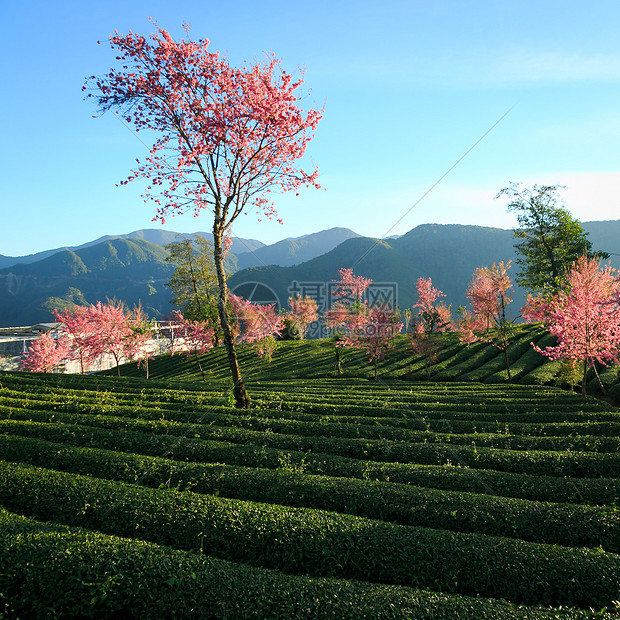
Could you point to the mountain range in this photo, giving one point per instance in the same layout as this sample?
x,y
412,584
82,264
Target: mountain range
x,y
152,235
133,268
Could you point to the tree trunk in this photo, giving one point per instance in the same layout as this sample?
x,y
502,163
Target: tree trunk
x,y
202,372
338,365
242,400
507,362
583,380
599,380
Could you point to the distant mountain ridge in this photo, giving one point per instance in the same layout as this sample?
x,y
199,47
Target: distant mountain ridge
x,y
133,271
129,267
448,253
295,250
152,235
133,268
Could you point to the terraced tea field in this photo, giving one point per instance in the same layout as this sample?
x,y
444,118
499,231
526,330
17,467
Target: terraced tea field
x,y
331,498
481,362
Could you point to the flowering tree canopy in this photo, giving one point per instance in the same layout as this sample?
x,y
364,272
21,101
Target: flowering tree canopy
x,y
194,337
256,324
110,333
375,333
45,353
304,311
584,316
432,318
227,137
489,294
356,324
78,327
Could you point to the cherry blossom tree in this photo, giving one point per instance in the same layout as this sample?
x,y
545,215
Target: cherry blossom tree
x,y
111,332
536,308
198,338
142,331
375,335
584,317
357,325
489,294
45,353
347,311
227,137
432,318
256,324
304,311
335,320
78,328
350,289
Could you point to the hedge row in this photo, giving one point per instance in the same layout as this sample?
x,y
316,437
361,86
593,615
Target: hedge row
x,y
474,360
98,382
528,362
572,464
416,430
598,491
563,524
517,349
299,540
184,393
453,356
463,427
495,402
452,422
521,412
53,570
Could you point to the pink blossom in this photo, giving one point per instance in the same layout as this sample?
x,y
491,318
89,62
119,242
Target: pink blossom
x,y
585,316
304,311
45,353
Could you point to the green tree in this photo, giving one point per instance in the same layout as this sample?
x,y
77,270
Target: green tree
x,y
194,283
548,238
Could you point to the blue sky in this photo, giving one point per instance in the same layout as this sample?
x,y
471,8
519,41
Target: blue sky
x,y
408,88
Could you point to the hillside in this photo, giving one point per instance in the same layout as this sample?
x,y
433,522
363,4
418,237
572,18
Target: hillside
x,y
132,267
331,498
448,254
152,235
132,271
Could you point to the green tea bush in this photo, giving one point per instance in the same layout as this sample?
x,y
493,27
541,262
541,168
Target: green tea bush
x,y
564,524
601,491
573,464
319,543
52,570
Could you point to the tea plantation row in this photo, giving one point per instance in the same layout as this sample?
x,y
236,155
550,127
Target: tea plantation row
x,y
331,498
480,362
